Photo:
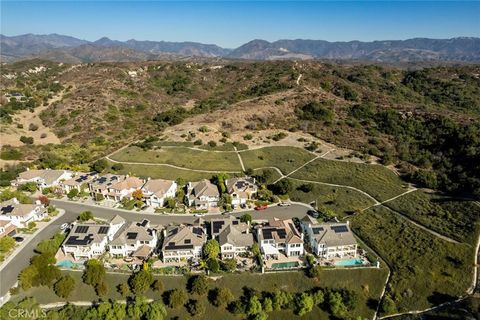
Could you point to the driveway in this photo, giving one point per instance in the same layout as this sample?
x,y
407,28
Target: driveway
x,y
10,272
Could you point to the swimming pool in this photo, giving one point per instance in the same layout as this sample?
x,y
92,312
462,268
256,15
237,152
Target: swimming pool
x,y
285,265
349,262
67,264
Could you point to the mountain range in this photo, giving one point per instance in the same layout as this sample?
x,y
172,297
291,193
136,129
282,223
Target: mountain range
x,y
62,48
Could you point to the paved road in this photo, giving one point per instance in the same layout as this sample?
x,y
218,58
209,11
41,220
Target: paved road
x,y
9,274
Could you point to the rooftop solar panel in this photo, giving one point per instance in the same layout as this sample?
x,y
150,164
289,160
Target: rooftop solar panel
x,y
340,229
81,229
187,241
103,230
132,235
7,209
317,230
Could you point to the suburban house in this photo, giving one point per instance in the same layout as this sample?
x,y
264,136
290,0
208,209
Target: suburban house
x,y
202,194
79,181
7,228
89,239
119,190
233,236
241,189
183,242
155,191
21,214
134,239
331,239
43,178
99,186
279,236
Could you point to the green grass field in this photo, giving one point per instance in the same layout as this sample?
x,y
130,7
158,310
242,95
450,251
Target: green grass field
x,y
182,157
341,200
426,270
458,219
376,180
286,159
367,283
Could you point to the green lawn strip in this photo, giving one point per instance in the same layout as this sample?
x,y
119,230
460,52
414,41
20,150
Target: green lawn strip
x,y
457,219
342,201
181,157
286,159
425,269
367,283
220,147
162,172
174,143
376,180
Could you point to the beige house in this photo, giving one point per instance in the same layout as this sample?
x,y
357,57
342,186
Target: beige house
x,y
156,191
7,228
135,239
79,181
233,236
279,237
202,194
241,189
183,242
43,178
99,186
21,214
119,190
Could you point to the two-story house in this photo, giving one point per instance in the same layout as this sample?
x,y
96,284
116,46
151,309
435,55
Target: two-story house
x,y
45,178
7,228
99,186
279,237
241,189
155,191
136,239
233,236
119,190
79,181
183,242
21,214
330,240
202,194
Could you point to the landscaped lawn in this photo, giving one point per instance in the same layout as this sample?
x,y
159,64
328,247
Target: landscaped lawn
x,y
457,219
162,172
367,283
426,270
376,180
341,200
182,157
286,159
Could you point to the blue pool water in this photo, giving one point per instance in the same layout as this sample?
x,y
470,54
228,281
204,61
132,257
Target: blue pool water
x,y
349,262
68,264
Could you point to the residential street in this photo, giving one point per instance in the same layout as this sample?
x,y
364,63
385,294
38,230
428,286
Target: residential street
x,y
9,274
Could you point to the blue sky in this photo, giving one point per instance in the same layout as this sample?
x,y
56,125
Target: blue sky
x,y
230,24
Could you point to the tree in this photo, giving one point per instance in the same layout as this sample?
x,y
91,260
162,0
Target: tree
x,y
219,181
140,281
198,284
282,187
253,306
26,140
246,218
318,297
267,305
44,200
213,265
137,195
281,299
31,225
64,287
99,165
304,304
256,249
211,249
29,187
123,289
101,289
222,297
94,272
248,171
195,307
170,203
229,265
337,307
156,311
72,193
176,298
117,167
6,244
388,305
27,277
85,216
157,285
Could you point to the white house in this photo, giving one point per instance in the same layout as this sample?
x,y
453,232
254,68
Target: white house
x,y
79,181
241,189
330,240
183,242
233,236
89,239
43,178
134,239
155,192
279,237
119,190
21,214
202,194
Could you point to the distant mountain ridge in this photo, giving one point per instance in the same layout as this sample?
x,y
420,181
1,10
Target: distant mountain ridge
x,y
69,49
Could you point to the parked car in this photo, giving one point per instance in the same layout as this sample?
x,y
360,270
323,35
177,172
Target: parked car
x,y
284,204
313,213
243,206
198,215
64,226
261,207
18,239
